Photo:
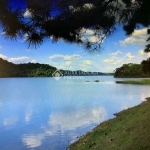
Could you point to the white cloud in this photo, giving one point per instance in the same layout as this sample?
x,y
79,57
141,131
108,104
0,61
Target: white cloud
x,y
56,57
3,33
141,52
116,53
64,61
68,63
89,35
59,57
33,61
108,60
87,62
26,35
1,47
113,60
27,14
109,69
71,62
138,38
94,39
19,59
3,56
22,59
145,55
71,57
129,56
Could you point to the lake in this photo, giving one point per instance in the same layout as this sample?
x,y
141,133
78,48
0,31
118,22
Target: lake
x,y
46,114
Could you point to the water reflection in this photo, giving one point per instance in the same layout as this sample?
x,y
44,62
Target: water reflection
x,y
28,115
62,122
70,121
41,113
10,121
32,141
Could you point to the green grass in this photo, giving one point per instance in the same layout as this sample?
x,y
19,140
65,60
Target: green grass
x,y
142,82
129,130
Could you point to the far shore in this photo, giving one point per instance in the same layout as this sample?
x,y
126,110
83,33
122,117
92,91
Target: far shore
x,y
129,130
141,82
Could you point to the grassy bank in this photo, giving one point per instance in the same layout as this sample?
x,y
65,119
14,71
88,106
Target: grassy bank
x,y
142,82
130,130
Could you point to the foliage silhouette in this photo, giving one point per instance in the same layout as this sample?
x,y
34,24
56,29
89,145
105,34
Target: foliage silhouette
x,y
71,20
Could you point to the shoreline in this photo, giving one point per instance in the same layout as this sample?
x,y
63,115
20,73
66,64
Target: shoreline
x,y
139,82
128,130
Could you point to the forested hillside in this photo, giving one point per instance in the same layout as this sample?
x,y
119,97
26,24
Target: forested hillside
x,y
8,69
131,70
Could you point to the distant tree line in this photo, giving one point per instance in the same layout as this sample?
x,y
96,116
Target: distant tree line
x,y
8,69
82,73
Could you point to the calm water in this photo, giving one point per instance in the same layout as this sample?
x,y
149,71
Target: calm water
x,y
45,114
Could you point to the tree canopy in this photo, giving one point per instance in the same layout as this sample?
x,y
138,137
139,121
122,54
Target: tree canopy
x,y
132,71
146,65
8,69
70,20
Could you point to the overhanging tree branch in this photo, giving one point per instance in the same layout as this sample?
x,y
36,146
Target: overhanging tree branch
x,y
65,19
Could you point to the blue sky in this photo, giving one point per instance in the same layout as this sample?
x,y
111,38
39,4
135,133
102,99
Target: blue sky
x,y
118,49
